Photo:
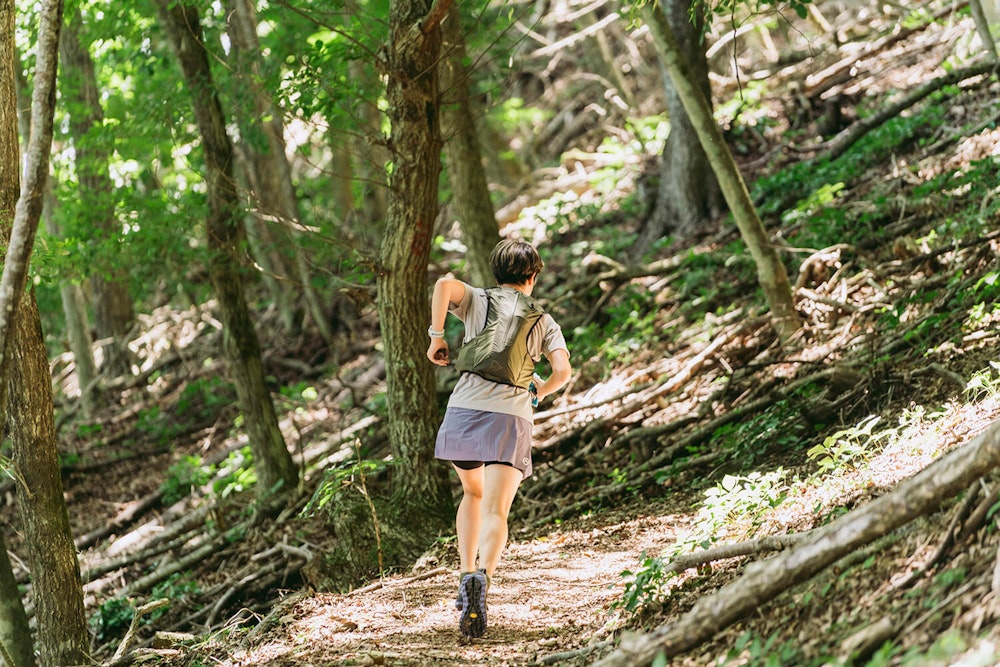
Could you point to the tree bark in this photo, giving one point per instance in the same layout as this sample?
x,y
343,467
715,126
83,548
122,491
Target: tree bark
x,y
15,634
403,308
688,194
264,248
272,461
25,387
983,28
51,555
771,273
761,582
464,155
74,302
114,313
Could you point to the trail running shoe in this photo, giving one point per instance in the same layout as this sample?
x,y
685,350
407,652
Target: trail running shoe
x,y
472,598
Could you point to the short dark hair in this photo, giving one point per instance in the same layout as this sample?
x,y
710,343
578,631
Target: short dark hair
x,y
514,262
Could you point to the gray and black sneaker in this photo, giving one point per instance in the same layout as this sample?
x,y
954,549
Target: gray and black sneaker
x,y
472,603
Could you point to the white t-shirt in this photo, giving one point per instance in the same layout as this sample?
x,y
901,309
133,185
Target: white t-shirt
x,y
477,393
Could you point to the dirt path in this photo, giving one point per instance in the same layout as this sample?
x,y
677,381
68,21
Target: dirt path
x,y
552,594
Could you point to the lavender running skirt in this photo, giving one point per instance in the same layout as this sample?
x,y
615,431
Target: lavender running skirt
x,y
475,435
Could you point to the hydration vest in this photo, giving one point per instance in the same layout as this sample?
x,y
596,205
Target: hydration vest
x,y
500,351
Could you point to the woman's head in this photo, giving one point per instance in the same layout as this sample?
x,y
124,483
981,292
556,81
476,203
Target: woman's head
x,y
514,262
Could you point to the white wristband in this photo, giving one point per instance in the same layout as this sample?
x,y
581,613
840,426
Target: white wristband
x,y
435,334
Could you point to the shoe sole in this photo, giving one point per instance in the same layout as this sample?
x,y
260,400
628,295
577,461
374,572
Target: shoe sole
x,y
472,623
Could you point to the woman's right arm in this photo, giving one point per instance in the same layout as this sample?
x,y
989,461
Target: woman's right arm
x,y
447,292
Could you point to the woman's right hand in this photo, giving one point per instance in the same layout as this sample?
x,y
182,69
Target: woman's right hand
x,y
437,351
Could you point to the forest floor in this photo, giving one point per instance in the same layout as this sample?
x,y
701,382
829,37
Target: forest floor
x,y
598,505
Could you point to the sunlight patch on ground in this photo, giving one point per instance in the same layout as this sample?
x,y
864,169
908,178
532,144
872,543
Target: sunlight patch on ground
x,y
922,438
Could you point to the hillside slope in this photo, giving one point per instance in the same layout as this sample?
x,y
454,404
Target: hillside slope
x,y
687,424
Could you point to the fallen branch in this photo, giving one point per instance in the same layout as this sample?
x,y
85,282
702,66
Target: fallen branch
x,y
734,550
119,658
763,581
839,144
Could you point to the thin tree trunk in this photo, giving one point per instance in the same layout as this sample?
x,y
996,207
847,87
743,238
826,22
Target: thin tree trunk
x,y
48,536
688,195
15,635
983,28
404,312
464,155
272,461
264,249
276,192
114,313
372,158
771,273
25,386
74,302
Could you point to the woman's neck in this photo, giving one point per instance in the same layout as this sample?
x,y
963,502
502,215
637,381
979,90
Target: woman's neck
x,y
522,288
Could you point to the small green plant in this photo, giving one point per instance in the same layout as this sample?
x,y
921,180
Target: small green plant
x,y
751,649
984,384
298,395
88,430
647,585
172,588
236,474
733,500
183,476
738,500
850,447
112,618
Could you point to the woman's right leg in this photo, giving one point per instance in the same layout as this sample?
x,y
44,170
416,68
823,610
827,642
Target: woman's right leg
x,y
499,487
468,520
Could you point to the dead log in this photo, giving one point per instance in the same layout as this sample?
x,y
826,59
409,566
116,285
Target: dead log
x,y
843,141
763,581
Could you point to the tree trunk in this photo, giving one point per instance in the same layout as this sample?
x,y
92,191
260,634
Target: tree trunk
x,y
404,312
265,249
275,194
688,194
15,634
464,156
73,300
771,273
48,537
272,461
983,28
114,314
372,157
25,386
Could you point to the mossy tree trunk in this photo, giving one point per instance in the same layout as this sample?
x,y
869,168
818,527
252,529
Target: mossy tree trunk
x,y
48,536
74,301
420,483
25,384
272,462
15,634
771,273
688,194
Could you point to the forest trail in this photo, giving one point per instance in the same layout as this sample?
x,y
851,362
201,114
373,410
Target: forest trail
x,y
552,598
